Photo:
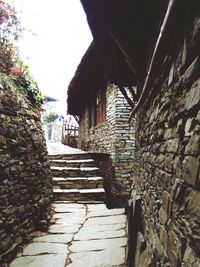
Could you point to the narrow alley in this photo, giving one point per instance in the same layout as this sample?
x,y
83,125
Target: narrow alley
x,y
82,232
99,133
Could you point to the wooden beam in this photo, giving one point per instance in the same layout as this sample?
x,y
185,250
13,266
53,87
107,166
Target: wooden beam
x,y
134,95
158,53
128,99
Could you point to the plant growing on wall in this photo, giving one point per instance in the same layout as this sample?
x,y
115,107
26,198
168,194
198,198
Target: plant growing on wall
x,y
10,63
21,75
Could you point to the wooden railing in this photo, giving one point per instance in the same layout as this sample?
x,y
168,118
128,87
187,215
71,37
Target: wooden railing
x,y
69,134
70,130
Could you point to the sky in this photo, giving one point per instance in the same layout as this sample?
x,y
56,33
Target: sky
x,y
56,37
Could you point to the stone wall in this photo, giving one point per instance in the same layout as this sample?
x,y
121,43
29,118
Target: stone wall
x,y
114,137
167,169
25,179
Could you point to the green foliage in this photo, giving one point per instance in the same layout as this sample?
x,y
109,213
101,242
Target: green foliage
x,y
10,64
9,34
50,118
22,77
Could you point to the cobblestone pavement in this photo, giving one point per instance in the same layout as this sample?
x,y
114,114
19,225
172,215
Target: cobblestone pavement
x,y
81,234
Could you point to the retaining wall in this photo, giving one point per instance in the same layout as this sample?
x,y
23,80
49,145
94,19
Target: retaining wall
x,y
25,179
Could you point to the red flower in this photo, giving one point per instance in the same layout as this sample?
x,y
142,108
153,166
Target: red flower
x,y
16,71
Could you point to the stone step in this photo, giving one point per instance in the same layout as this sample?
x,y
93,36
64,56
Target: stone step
x,y
74,156
74,163
97,194
77,182
74,172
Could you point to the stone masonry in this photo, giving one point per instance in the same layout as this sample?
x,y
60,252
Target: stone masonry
x,y
114,137
167,169
25,178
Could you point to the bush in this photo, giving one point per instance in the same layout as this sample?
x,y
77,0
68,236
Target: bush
x,y
9,62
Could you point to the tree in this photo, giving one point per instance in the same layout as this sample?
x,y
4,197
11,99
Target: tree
x,y
9,34
10,63
50,117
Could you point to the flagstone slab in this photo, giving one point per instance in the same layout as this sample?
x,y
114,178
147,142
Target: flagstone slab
x,y
91,190
68,221
72,161
63,229
106,212
69,216
94,207
101,244
102,258
101,228
62,207
44,248
70,210
55,238
57,260
65,208
106,220
86,235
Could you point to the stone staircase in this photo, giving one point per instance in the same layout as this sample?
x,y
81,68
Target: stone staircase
x,y
76,178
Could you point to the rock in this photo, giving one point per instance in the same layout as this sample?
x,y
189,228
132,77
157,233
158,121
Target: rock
x,y
172,145
2,140
193,147
162,215
193,96
191,167
167,201
188,126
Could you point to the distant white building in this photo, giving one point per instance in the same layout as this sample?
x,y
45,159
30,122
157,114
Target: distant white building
x,y
52,118
55,120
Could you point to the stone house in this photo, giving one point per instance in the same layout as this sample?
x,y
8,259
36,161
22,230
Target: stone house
x,y
159,43
104,113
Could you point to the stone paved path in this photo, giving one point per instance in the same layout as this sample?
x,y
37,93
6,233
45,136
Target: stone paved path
x,y
81,234
58,148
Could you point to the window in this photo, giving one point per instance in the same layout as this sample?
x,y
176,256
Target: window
x,y
101,107
98,109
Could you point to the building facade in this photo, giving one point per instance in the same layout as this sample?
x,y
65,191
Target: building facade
x,y
160,41
104,128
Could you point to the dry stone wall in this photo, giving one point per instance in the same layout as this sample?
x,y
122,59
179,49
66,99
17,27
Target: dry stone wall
x,y
125,140
114,137
167,172
25,178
